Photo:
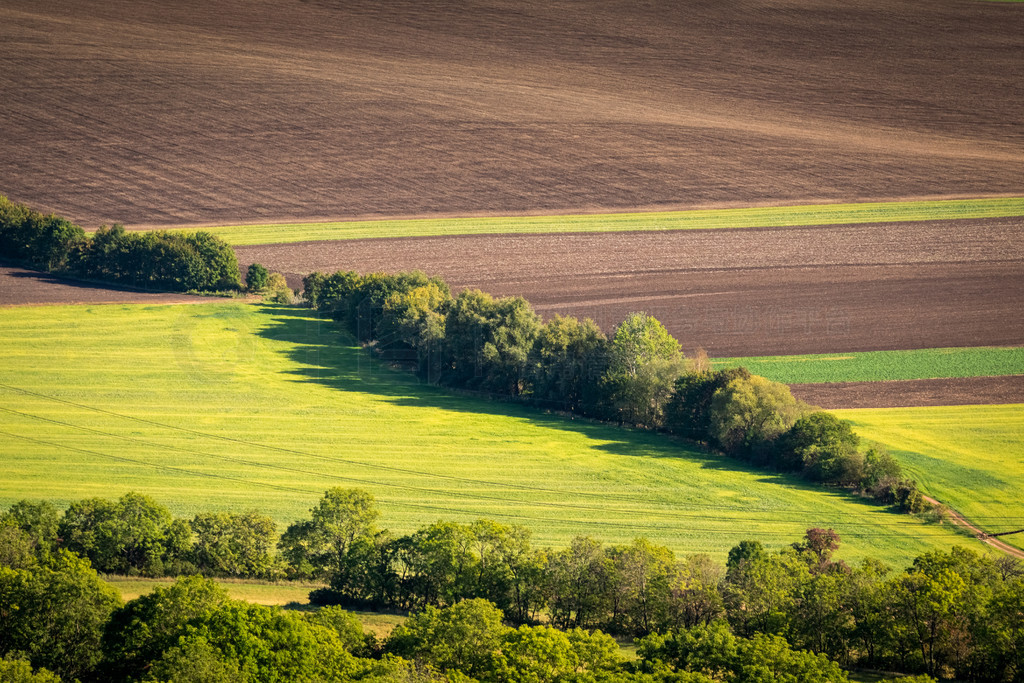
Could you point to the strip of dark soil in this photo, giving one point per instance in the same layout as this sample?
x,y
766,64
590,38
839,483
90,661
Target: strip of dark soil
x,y
916,392
20,287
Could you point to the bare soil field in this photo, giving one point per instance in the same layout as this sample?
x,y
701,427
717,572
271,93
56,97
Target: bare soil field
x,y
20,287
150,112
752,292
959,391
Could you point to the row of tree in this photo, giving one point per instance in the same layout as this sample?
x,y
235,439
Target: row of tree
x,y
794,615
191,632
175,261
638,376
950,613
135,535
955,613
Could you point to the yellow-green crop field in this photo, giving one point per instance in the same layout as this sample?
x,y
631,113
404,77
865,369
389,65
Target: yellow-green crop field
x,y
702,219
969,457
248,406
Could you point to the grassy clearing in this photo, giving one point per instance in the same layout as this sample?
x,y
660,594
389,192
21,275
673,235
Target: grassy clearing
x,y
874,366
250,591
240,406
969,457
292,595
757,217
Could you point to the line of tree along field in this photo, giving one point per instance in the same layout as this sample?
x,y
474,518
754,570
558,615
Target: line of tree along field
x,y
172,261
486,606
638,376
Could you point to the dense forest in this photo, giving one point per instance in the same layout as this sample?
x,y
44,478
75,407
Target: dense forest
x,y
484,602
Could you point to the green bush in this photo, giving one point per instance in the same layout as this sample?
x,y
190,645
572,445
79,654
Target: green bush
x,y
256,277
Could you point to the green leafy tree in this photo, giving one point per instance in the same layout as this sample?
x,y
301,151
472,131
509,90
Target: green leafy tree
x,y
17,549
688,411
138,633
466,637
129,536
15,670
761,592
644,362
646,574
488,342
322,542
824,447
695,597
265,644
579,584
567,361
38,520
416,318
55,614
439,564
234,544
194,660
747,415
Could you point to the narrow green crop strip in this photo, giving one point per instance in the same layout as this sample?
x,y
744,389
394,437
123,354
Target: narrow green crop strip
x,y
701,219
969,457
244,406
875,366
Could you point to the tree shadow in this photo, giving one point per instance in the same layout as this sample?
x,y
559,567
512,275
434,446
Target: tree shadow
x,y
327,355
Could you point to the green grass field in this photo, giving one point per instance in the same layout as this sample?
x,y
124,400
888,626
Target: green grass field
x,y
874,366
296,594
758,217
969,457
241,406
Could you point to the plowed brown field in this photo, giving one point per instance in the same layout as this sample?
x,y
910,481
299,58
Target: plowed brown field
x,y
734,292
157,112
957,391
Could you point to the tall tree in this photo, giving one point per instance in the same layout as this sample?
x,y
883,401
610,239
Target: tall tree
x,y
320,544
643,365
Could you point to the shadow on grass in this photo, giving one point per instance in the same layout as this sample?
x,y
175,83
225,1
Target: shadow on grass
x,y
329,356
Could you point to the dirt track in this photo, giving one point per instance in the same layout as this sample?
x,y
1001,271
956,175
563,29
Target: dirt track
x,y
735,292
207,111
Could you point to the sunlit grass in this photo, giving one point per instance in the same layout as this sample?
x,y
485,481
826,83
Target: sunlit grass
x,y
969,457
240,406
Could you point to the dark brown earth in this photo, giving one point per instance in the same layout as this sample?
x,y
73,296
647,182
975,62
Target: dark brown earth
x,y
157,112
917,392
734,292
20,287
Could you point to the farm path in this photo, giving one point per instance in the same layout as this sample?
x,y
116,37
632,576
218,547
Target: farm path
x,y
960,520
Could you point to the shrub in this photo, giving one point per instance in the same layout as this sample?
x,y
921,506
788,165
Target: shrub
x,y
256,277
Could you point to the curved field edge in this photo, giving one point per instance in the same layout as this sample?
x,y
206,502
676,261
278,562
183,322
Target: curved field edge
x,y
876,366
969,457
696,219
244,406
